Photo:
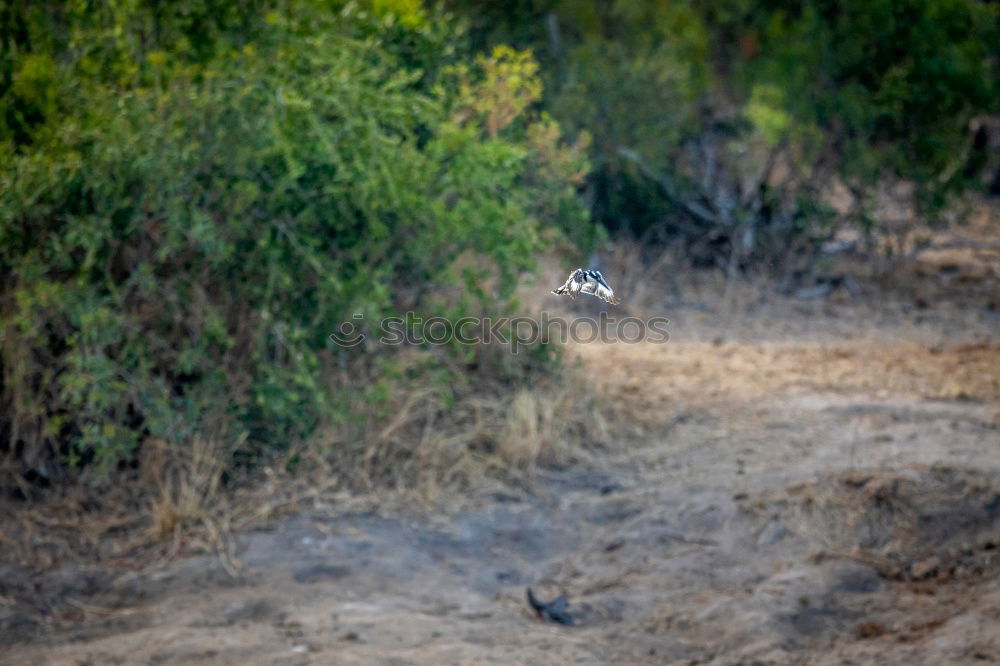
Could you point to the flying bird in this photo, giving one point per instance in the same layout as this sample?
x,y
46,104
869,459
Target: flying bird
x,y
587,282
551,611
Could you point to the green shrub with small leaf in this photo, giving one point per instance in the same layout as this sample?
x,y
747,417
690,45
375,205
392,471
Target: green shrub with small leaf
x,y
193,198
724,124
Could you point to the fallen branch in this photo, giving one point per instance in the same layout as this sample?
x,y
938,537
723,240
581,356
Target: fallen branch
x,y
954,245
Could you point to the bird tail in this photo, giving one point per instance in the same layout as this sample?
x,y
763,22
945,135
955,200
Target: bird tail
x,y
534,602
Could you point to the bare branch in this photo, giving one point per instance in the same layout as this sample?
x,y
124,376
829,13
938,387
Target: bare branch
x,y
708,155
667,189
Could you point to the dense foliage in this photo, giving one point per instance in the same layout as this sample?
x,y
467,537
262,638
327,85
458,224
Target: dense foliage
x,y
729,122
194,195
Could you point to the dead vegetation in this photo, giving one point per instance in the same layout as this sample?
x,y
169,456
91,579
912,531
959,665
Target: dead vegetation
x,y
420,442
186,500
426,438
187,482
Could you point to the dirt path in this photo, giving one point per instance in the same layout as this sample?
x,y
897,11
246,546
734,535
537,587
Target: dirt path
x,y
782,494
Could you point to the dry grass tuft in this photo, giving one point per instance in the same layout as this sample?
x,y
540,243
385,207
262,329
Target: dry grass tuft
x,y
528,429
549,426
187,502
429,439
187,480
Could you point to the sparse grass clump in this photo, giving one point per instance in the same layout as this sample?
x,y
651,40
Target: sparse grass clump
x,y
501,416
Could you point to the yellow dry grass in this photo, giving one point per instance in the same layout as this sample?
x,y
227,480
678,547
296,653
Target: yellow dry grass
x,y
540,425
186,497
187,483
651,378
429,443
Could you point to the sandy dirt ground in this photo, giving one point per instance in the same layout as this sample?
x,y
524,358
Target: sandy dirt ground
x,y
787,482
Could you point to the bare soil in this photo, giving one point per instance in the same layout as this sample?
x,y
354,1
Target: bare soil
x,y
788,481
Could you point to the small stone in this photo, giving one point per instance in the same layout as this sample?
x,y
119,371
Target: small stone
x,y
774,532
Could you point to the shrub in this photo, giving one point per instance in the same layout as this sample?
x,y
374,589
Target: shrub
x,y
182,227
725,124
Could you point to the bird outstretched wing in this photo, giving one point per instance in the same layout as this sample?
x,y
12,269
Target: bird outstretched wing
x,y
597,286
587,282
600,291
596,276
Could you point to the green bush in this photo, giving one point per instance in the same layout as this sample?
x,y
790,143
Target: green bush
x,y
709,99
184,223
